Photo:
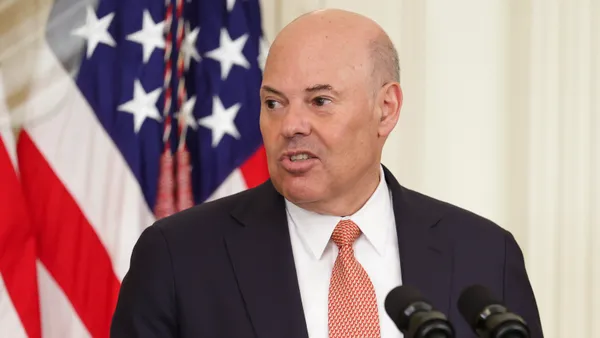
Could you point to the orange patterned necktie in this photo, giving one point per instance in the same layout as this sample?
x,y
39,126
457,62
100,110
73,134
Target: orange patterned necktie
x,y
352,300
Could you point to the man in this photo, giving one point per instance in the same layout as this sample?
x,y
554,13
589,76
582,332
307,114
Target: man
x,y
315,250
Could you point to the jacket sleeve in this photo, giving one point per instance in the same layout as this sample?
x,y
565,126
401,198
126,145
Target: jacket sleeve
x,y
146,302
518,294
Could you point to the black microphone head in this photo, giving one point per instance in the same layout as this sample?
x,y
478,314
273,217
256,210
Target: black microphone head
x,y
489,317
473,301
398,300
414,316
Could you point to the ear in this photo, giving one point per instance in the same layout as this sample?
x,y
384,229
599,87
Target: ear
x,y
390,103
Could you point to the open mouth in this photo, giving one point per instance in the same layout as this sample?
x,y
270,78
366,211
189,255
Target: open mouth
x,y
300,157
298,162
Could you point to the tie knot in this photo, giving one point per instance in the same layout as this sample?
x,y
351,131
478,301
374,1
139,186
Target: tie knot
x,y
345,233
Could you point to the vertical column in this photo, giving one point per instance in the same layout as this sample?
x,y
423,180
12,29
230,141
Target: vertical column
x,y
575,214
465,113
544,159
593,241
563,168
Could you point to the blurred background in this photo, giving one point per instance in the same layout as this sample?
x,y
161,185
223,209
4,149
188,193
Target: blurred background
x,y
117,113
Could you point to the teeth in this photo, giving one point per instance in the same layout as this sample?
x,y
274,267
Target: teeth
x,y
299,157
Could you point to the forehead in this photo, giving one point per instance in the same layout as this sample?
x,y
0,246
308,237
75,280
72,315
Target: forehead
x,y
308,59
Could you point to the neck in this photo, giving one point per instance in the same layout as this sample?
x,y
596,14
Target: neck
x,y
350,201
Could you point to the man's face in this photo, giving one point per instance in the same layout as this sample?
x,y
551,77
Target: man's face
x,y
318,120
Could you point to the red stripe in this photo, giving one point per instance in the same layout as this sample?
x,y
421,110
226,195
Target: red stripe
x,y
17,249
67,244
255,170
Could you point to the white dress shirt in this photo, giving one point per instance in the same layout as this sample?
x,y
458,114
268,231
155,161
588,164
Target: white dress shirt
x,y
314,255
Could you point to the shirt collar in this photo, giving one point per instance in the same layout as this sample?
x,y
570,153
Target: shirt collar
x,y
315,229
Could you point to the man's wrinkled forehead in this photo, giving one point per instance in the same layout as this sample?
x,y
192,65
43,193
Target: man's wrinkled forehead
x,y
309,64
326,47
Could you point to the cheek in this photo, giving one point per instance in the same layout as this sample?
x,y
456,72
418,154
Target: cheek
x,y
341,137
269,132
342,146
354,144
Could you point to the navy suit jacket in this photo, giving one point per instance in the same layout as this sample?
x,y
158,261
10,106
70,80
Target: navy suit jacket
x,y
226,268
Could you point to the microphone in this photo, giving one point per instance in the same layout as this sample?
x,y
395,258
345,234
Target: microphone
x,y
488,317
414,316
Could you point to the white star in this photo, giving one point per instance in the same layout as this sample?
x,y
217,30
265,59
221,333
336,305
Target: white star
x,y
229,53
142,105
151,35
230,5
221,121
188,47
187,113
263,53
95,31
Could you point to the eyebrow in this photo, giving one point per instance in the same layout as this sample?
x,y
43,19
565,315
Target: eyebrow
x,y
272,90
319,88
311,89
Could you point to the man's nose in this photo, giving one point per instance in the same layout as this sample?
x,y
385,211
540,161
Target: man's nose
x,y
295,122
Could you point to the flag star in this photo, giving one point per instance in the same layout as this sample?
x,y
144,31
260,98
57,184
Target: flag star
x,y
187,113
263,53
221,121
230,5
142,105
188,47
229,53
95,31
151,35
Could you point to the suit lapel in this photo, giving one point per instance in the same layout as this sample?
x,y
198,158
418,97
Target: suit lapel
x,y
262,259
425,255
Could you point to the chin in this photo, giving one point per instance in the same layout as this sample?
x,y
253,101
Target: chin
x,y
299,190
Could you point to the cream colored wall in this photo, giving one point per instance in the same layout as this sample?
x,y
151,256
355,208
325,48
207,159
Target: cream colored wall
x,y
501,116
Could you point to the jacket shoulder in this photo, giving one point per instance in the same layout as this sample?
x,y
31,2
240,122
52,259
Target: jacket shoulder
x,y
457,220
208,218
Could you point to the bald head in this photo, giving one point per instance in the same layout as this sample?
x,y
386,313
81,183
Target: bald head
x,y
329,100
344,35
386,63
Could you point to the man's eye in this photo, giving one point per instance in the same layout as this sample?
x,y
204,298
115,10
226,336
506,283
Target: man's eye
x,y
321,101
271,104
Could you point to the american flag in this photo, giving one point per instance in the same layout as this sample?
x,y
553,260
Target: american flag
x,y
138,109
